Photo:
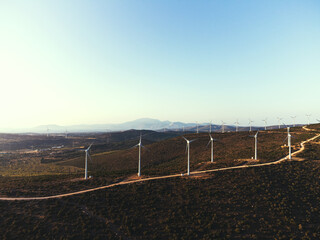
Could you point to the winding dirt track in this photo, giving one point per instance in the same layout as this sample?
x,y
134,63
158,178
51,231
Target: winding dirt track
x,y
161,177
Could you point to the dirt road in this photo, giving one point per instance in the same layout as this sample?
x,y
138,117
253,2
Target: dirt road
x,y
160,177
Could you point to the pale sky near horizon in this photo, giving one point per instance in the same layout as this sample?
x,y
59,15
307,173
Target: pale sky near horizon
x,y
109,61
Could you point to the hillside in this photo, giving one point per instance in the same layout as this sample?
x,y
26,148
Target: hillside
x,y
25,155
277,201
272,202
168,156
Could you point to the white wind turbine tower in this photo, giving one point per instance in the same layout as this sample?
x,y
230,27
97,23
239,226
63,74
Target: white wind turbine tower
x,y
250,123
279,120
237,125
139,164
197,127
222,126
265,121
289,142
255,145
188,149
86,162
211,141
294,120
308,116
210,126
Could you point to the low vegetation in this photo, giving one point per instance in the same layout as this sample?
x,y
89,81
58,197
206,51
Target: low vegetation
x,y
274,202
168,157
271,202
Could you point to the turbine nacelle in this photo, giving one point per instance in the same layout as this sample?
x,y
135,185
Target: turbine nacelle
x,y
185,139
254,136
189,141
212,139
88,147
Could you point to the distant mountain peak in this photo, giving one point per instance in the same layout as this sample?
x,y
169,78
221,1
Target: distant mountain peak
x,y
138,124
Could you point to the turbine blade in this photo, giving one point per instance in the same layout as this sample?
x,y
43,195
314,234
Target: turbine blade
x,y
285,140
137,145
145,148
185,138
208,144
89,147
89,157
193,140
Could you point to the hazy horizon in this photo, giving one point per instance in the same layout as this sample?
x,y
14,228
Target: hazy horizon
x,y
79,62
137,124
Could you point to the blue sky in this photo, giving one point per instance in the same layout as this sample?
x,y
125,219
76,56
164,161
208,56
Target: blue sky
x,y
82,62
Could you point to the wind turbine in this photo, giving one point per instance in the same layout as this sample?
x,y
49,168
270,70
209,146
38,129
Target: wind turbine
x,y
279,119
237,125
48,131
86,161
139,164
255,145
250,123
294,120
289,142
211,141
308,116
222,126
188,149
210,126
108,137
265,121
197,127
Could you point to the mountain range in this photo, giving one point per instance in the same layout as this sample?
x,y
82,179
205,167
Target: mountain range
x,y
142,123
